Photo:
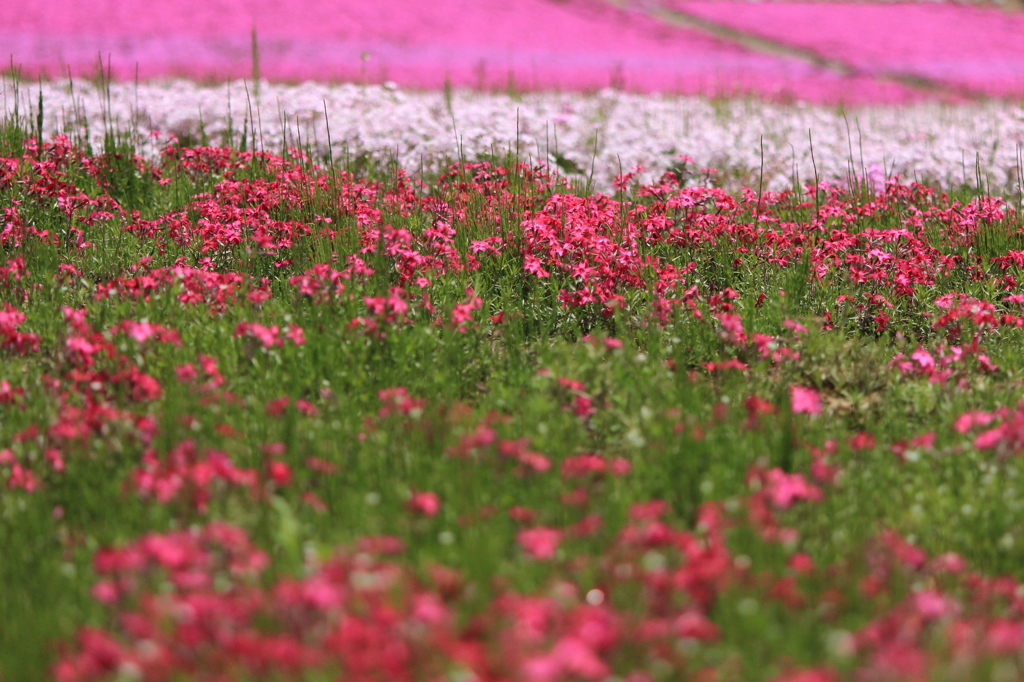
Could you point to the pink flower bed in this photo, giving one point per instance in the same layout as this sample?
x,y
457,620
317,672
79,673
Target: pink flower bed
x,y
531,44
972,47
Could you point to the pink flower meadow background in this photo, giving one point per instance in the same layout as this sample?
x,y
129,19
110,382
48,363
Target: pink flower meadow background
x,y
852,52
511,342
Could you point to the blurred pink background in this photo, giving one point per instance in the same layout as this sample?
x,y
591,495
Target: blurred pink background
x,y
578,45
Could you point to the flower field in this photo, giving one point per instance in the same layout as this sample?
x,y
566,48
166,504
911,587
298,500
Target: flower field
x,y
972,49
587,137
536,341
530,45
264,417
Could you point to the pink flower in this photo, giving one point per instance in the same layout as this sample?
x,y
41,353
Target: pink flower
x,y
533,265
923,358
801,562
986,364
314,501
579,466
804,400
186,373
268,336
931,605
463,312
295,334
542,668
784,489
275,408
140,331
280,472
426,503
522,514
619,466
55,459
732,329
693,624
968,420
862,441
105,592
145,387
648,511
989,439
1004,636
540,542
429,609
570,657
795,326
578,659
583,406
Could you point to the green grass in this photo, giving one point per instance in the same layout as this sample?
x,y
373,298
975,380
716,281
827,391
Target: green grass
x,y
685,431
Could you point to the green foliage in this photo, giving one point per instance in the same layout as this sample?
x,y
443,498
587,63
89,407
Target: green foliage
x,y
686,431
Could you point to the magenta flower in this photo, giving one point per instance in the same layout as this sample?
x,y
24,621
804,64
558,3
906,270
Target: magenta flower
x,y
425,503
784,489
540,542
804,400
